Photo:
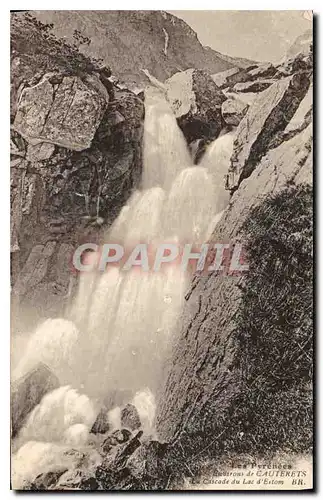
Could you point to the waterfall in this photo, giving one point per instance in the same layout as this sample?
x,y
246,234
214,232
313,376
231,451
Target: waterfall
x,y
216,161
121,326
165,148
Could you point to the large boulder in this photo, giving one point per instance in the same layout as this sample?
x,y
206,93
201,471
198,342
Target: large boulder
x,y
268,115
27,392
196,101
233,110
65,111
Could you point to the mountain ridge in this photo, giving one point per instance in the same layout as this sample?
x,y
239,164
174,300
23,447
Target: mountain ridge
x,y
130,41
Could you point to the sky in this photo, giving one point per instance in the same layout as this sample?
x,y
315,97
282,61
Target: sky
x,y
260,35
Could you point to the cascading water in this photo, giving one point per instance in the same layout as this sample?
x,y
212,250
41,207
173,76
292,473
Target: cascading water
x,y
121,325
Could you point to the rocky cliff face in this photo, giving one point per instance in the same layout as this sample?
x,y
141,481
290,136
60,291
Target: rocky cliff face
x,y
75,158
239,332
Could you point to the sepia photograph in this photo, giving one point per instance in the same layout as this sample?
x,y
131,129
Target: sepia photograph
x,y
161,250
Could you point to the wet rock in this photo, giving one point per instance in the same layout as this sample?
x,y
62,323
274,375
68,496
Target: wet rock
x,y
109,443
122,436
27,392
198,148
46,481
130,417
147,462
101,424
268,115
128,450
116,438
71,480
255,86
67,113
233,110
113,473
196,101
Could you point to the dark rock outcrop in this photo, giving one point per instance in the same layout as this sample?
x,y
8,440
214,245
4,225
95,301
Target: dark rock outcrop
x,y
237,76
114,439
45,481
101,424
130,417
224,78
302,62
196,101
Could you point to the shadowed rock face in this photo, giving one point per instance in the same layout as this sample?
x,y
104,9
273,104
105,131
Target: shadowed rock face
x,y
272,154
196,101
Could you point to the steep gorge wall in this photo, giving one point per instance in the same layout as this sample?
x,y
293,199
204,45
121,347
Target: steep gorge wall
x,y
209,372
76,155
